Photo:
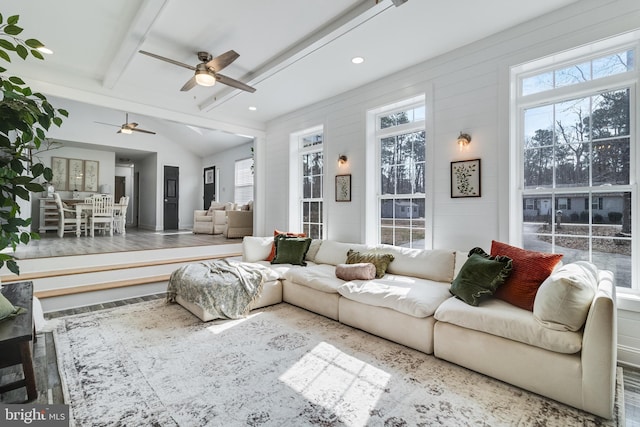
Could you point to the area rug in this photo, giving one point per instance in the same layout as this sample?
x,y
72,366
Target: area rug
x,y
158,365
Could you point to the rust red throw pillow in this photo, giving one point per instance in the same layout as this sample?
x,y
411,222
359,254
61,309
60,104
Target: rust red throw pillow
x,y
530,269
272,255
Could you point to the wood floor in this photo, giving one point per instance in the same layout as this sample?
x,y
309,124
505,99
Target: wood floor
x,y
50,389
50,245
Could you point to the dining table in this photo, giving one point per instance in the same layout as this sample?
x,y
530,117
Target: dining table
x,y
82,206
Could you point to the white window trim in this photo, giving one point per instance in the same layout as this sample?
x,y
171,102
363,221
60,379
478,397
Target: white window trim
x,y
630,40
372,162
295,178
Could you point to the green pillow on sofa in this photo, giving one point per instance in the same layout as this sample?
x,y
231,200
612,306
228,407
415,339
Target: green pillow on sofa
x,y
480,276
290,250
380,260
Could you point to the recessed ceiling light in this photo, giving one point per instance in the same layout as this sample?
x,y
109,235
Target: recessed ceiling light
x,y
357,60
252,108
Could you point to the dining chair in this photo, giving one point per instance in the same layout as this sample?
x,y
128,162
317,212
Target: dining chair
x,y
120,215
67,218
101,213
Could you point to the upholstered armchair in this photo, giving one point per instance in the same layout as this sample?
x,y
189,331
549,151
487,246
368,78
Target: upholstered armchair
x,y
239,224
212,221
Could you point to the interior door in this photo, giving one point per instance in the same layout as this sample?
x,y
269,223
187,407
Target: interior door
x,y
171,197
209,177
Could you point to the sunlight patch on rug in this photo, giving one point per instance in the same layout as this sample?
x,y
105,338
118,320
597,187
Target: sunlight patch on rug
x,y
157,364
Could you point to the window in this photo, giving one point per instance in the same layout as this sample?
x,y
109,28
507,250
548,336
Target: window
x,y
311,204
243,189
576,135
400,150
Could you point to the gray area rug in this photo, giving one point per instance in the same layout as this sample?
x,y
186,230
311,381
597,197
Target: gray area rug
x,y
157,364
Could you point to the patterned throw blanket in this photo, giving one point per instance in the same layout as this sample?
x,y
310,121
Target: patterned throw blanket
x,y
223,288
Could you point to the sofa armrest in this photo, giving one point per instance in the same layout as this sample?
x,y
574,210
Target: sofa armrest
x,y
599,349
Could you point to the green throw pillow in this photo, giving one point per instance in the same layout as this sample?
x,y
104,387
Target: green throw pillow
x,y
480,276
7,309
381,261
291,250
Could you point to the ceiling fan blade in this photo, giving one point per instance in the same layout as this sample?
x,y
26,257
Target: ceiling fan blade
x,y
171,61
234,83
189,84
108,124
131,125
143,131
221,61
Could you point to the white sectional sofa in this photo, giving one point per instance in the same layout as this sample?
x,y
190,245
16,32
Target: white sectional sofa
x,y
412,305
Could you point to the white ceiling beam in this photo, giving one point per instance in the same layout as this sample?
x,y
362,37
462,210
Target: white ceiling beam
x,y
92,98
133,39
358,15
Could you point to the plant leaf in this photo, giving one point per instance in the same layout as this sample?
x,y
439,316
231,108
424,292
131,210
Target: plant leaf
x,y
37,54
16,80
12,30
22,51
33,43
13,267
13,20
4,55
6,44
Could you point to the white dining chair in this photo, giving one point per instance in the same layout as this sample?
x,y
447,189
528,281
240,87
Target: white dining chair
x,y
120,215
101,214
67,218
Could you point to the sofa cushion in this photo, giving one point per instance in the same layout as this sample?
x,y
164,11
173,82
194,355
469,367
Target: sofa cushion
x,y
290,250
480,276
276,232
497,317
530,269
335,253
256,248
313,249
564,298
409,295
359,271
321,277
433,264
380,260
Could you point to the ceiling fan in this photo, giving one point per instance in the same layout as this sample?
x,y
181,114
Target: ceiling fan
x,y
128,127
207,72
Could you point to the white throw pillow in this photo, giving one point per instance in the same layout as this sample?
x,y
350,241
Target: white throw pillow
x,y
564,298
256,248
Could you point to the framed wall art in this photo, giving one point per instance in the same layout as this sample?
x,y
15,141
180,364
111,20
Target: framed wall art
x,y
76,175
465,178
90,175
343,188
59,169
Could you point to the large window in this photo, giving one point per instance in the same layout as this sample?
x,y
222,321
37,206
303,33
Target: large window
x,y
576,127
311,204
400,141
243,188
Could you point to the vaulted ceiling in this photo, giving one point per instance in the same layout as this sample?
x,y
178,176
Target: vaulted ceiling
x,y
293,52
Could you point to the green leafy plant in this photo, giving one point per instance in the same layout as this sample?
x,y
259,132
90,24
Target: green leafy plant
x,y
25,116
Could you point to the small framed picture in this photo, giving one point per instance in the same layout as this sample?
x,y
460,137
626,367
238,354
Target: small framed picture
x,y
343,188
465,178
91,175
76,175
208,176
59,169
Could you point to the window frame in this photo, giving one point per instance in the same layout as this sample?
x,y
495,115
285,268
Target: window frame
x,y
304,151
236,186
520,103
375,134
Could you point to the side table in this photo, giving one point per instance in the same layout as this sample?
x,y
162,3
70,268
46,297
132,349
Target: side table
x,y
16,335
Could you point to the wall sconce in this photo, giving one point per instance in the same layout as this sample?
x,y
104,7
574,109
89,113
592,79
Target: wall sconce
x,y
464,139
342,160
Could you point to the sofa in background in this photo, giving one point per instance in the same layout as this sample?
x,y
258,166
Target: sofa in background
x,y
239,224
212,220
571,359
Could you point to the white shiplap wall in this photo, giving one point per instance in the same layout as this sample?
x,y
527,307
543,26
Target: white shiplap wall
x,y
467,90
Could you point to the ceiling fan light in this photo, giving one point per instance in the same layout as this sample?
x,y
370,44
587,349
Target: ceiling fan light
x,y
126,131
203,78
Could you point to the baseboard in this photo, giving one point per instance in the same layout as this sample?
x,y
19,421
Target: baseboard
x,y
628,356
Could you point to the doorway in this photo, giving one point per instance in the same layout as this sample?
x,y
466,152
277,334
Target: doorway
x,y
209,177
171,174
